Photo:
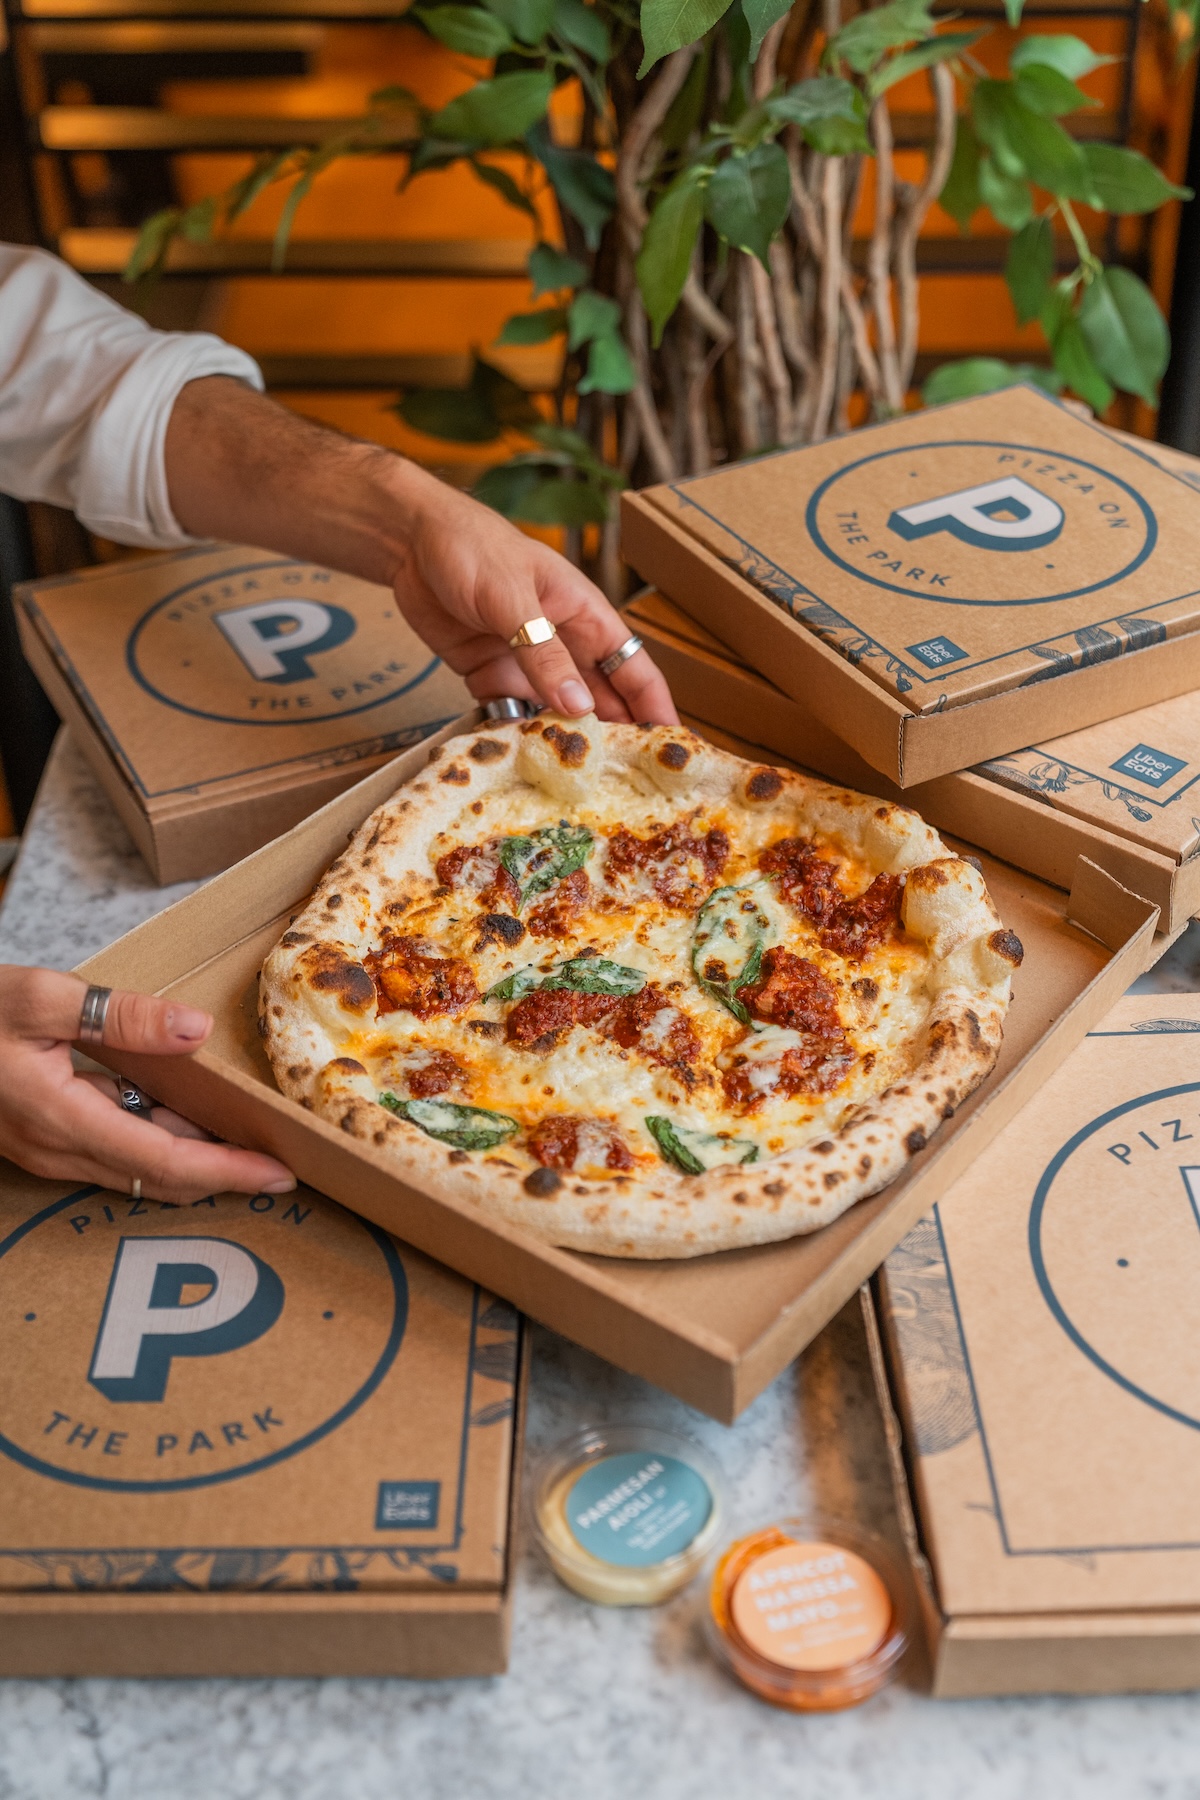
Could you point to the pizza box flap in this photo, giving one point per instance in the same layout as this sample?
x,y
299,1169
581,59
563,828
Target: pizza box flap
x,y
337,1413
714,1329
1043,1346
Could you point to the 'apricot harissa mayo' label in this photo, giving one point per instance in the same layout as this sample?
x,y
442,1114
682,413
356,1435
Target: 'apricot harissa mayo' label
x,y
811,1606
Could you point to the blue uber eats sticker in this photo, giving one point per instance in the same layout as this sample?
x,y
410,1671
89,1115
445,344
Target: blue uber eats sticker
x,y
936,652
407,1505
1146,764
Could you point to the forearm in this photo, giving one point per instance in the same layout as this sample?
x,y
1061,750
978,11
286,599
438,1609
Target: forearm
x,y
243,468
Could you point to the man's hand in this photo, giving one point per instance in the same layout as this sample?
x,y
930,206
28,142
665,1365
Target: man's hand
x,y
58,1123
240,467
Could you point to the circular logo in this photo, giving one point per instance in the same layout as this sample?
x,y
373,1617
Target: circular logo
x,y
1114,1234
147,1350
274,643
958,521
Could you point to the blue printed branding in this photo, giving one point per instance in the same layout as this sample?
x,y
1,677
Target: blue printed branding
x,y
407,1505
936,652
997,515
1152,767
637,1509
267,644
148,1349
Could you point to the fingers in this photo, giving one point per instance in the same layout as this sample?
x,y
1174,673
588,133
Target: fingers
x,y
43,1005
644,690
162,1116
158,1027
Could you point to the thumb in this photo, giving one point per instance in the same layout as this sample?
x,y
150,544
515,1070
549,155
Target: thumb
x,y
158,1027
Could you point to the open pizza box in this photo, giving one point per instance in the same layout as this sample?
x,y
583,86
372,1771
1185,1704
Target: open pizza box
x,y
254,1436
944,587
715,1330
1034,1344
1122,793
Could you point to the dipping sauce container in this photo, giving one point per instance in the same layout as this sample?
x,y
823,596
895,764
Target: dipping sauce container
x,y
809,1613
626,1515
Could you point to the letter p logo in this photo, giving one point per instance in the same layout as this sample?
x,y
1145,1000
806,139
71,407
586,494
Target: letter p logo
x,y
998,515
272,636
147,1322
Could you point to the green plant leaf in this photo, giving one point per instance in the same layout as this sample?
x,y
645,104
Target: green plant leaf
x,y
991,115
591,315
1044,90
596,975
687,107
1050,155
583,28
475,414
670,24
506,187
507,485
610,368
466,1127
468,29
570,449
961,197
430,153
760,15
1009,201
667,245
1072,358
551,270
731,927
923,56
864,40
1069,55
521,981
153,242
1125,332
983,375
1125,181
695,1152
828,111
497,111
748,197
1029,269
581,184
1012,12
533,327
538,860
266,170
528,20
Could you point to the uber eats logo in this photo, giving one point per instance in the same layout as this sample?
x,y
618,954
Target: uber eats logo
x,y
274,642
148,1349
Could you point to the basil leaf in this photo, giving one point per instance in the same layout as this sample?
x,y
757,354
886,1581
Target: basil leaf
x,y
695,1152
538,861
596,975
521,981
466,1127
732,920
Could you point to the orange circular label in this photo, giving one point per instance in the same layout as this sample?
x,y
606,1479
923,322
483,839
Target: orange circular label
x,y
811,1606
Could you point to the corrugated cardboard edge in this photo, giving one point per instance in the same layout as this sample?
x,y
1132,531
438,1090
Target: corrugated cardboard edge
x,y
428,1635
908,747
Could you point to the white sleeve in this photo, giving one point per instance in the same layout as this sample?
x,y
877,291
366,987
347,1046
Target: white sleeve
x,y
86,390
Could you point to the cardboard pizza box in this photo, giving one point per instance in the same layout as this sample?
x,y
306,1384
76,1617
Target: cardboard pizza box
x,y
1124,793
1040,1379
221,693
253,1436
714,1329
946,587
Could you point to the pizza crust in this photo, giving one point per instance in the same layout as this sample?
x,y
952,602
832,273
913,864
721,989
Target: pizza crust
x,y
316,994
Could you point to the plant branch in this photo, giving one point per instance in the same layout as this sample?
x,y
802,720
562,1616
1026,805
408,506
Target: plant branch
x,y
917,202
772,351
879,280
831,287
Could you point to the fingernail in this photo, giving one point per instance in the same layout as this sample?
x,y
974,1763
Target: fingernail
x,y
187,1022
280,1187
573,697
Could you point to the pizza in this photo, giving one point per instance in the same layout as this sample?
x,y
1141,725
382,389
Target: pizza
x,y
635,995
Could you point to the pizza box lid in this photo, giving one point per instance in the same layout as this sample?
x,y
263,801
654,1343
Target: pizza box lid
x,y
714,1329
953,584
222,692
254,1394
1124,792
1040,1328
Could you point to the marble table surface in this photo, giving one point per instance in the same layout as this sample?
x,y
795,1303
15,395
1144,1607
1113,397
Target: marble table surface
x,y
596,1702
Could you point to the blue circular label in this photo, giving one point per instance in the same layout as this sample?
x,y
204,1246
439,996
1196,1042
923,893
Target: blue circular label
x,y
638,1508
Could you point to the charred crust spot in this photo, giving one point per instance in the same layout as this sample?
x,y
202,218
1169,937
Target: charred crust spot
x,y
831,1177
824,1147
864,1165
477,806
541,1183
486,750
974,1030
764,784
459,777
345,1065
974,862
380,1136
435,755
263,1027
499,928
290,939
570,747
394,908
916,1140
333,902
1005,943
929,875
487,1028
776,1189
741,1198
347,1120
458,1156
544,1044
866,989
330,971
674,755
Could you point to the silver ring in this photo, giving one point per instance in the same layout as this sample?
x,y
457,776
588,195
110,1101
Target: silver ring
x,y
135,1188
93,1014
133,1100
620,655
506,708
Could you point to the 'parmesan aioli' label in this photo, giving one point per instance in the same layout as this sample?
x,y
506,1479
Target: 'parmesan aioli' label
x,y
637,1509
